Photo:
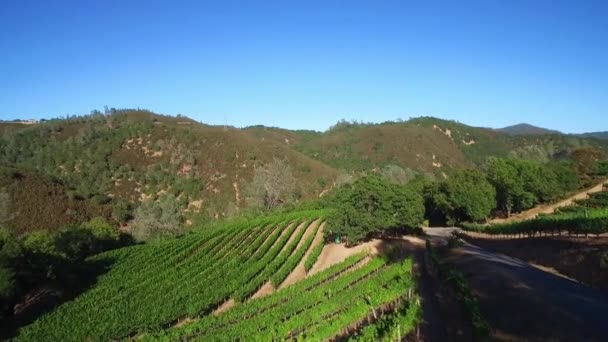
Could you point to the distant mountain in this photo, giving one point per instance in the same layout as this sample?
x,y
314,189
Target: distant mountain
x,y
597,135
526,129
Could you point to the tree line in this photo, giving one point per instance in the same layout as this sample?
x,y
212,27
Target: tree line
x,y
376,204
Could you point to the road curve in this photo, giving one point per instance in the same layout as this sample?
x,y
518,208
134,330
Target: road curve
x,y
524,303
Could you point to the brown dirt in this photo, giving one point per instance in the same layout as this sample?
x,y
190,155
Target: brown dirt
x,y
224,307
299,272
334,253
549,208
182,322
265,290
576,258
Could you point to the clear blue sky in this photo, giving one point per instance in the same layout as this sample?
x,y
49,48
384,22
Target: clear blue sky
x,y
307,64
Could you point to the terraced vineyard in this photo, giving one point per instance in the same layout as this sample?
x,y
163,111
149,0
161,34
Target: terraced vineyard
x,y
172,289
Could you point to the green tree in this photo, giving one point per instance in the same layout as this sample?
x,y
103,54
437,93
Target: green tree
x,y
372,205
464,196
503,175
10,252
8,292
40,242
585,159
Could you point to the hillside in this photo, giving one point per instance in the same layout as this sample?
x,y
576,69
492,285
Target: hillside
x,y
426,144
106,164
137,155
526,129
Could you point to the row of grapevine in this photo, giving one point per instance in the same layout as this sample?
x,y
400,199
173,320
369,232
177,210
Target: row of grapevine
x,y
150,286
392,325
595,200
591,221
312,258
313,309
260,305
295,259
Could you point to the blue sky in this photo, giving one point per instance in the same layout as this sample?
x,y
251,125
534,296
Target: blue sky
x,y
307,64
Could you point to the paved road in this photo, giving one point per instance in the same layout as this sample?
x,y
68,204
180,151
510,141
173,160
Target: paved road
x,y
523,303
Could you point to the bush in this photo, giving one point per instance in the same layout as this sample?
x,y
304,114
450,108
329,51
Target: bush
x,y
102,230
40,242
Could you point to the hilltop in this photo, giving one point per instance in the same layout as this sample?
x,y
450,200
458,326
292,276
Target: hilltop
x,y
524,128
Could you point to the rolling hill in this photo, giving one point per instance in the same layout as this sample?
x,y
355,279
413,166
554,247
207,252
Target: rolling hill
x,y
78,167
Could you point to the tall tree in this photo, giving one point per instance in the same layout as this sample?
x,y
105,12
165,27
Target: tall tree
x,y
272,185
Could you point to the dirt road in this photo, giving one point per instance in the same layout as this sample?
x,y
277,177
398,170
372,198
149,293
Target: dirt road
x,y
523,303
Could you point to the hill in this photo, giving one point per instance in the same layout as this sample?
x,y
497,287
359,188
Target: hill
x,y
107,164
526,129
134,155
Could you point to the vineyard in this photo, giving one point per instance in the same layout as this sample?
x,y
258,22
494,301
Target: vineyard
x,y
172,289
587,216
